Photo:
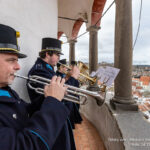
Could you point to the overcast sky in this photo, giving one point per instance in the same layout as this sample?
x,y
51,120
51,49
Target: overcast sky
x,y
141,53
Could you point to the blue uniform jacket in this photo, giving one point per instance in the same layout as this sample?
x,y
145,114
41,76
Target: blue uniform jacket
x,y
60,74
74,116
65,140
19,130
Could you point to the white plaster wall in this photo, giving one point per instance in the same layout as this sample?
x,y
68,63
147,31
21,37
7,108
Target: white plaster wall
x,y
34,19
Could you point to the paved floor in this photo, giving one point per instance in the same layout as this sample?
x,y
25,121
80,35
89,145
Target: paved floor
x,y
87,137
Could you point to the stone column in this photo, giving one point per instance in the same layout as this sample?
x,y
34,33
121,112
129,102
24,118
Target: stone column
x,y
123,57
93,52
72,50
93,48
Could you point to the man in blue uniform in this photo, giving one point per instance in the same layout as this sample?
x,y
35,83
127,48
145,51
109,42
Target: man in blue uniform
x,y
74,116
74,63
19,130
61,68
44,67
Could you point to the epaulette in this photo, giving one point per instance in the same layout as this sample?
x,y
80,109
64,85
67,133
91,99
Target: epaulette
x,y
39,66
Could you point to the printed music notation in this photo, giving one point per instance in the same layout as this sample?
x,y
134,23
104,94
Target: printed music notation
x,y
106,75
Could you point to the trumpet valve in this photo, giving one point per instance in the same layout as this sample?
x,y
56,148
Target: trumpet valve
x,y
103,88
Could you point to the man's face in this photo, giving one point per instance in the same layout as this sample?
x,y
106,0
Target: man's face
x,y
53,60
8,67
63,69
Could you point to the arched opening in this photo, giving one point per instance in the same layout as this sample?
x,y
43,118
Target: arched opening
x,y
97,10
59,34
65,46
76,28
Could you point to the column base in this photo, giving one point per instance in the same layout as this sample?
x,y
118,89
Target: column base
x,y
130,106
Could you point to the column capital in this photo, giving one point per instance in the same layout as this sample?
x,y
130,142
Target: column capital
x,y
93,28
72,41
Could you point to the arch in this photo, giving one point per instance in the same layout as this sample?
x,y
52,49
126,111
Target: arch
x,y
76,28
97,10
59,34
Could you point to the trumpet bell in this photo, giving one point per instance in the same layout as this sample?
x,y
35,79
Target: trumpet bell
x,y
82,67
84,77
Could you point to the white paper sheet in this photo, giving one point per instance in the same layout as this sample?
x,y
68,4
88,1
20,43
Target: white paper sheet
x,y
106,75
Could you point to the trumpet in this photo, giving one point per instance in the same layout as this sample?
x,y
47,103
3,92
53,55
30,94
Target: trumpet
x,y
82,93
82,74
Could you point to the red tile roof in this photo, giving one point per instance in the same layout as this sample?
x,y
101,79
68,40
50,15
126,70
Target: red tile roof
x,y
134,83
142,108
146,82
145,79
138,87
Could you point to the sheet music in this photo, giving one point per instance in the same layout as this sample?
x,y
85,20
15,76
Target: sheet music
x,y
106,74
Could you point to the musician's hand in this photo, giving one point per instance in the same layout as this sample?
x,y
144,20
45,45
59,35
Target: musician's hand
x,y
55,88
75,72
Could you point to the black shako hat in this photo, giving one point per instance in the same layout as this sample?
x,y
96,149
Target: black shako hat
x,y
73,62
51,44
8,41
62,61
